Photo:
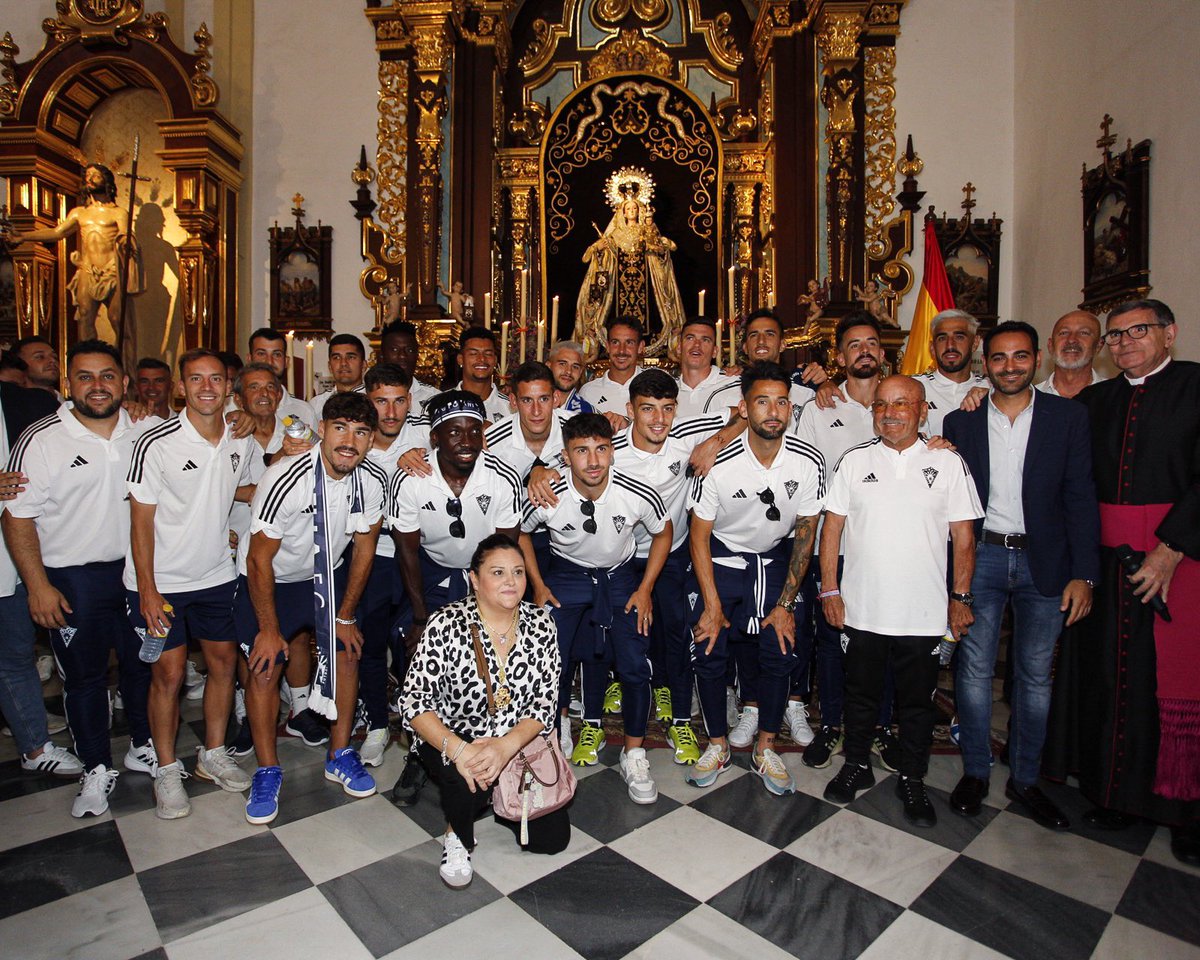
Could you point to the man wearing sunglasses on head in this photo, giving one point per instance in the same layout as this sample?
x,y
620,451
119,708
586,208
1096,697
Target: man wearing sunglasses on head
x,y
437,520
754,519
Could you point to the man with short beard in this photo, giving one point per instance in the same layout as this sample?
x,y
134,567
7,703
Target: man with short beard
x,y
698,376
41,363
955,335
347,360
68,533
297,530
1074,343
398,345
154,387
179,574
609,392
569,368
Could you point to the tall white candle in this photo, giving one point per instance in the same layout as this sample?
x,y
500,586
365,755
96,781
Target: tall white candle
x,y
504,348
700,312
291,365
541,340
554,323
310,369
487,310
732,296
720,331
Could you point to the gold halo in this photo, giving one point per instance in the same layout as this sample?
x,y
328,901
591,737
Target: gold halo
x,y
627,177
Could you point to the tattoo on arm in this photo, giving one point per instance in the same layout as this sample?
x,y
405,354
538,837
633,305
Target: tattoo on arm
x,y
806,532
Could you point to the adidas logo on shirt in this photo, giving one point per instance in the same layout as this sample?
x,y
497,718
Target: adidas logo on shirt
x,y
569,526
78,462
190,466
932,405
870,478
428,505
740,495
836,423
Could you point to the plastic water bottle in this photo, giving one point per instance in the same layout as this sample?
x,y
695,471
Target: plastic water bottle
x,y
296,428
152,643
946,647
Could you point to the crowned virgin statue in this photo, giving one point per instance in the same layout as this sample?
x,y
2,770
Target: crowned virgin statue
x,y
629,269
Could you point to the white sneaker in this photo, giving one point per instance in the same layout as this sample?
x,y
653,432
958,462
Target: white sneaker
x,y
743,732
371,751
575,708
731,708
142,759
771,770
635,768
456,870
564,738
54,760
195,681
218,766
239,704
94,788
118,701
171,801
45,667
796,718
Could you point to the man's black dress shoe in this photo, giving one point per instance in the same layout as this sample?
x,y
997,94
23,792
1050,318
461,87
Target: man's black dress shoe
x,y
1038,805
967,798
1185,843
1103,818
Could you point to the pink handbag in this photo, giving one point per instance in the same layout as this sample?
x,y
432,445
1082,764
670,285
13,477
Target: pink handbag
x,y
535,782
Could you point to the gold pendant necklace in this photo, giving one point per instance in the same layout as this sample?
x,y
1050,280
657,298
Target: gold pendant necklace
x,y
503,696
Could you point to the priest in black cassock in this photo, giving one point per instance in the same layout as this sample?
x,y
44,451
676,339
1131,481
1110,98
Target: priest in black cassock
x,y
1127,690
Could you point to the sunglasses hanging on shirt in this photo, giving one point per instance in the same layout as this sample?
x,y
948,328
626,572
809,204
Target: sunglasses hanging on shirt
x,y
458,529
768,497
588,509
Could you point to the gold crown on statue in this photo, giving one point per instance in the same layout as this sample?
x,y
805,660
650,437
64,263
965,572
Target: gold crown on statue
x,y
629,183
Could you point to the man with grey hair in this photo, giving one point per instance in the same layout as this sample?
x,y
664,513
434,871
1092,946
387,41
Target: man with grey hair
x,y
1073,346
955,335
566,361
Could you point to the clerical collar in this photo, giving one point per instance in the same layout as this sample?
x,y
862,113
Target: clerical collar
x,y
1138,381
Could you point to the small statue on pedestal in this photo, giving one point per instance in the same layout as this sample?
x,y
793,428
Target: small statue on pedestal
x,y
877,301
814,302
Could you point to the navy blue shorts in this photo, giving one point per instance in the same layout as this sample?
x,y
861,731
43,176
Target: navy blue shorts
x,y
293,607
198,614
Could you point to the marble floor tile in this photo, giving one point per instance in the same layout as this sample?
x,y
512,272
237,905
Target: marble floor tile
x,y
46,813
952,831
195,892
306,792
669,777
645,905
1159,851
912,937
603,810
399,899
746,805
1068,864
795,905
509,932
879,858
693,852
503,864
301,925
345,838
56,867
158,953
107,922
945,770
706,934
1011,915
1074,805
1124,939
1165,900
217,818
427,812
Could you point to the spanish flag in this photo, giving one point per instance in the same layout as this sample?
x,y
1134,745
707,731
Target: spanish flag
x,y
935,296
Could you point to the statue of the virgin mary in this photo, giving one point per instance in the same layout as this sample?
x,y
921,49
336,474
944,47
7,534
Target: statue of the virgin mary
x,y
626,266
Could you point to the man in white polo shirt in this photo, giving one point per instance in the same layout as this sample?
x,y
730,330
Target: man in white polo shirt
x,y
955,336
567,363
398,345
833,430
68,532
896,501
270,347
179,573
534,435
754,521
477,360
609,392
257,391
347,361
1073,345
296,527
601,607
698,376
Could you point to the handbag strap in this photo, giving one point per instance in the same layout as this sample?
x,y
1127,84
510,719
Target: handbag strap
x,y
481,665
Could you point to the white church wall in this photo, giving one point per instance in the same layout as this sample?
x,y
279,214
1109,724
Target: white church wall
x,y
1075,61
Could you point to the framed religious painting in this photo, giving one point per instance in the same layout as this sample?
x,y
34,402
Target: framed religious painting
x,y
971,251
300,277
1116,226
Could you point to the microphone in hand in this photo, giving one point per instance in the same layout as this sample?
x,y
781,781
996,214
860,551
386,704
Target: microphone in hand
x,y
1131,561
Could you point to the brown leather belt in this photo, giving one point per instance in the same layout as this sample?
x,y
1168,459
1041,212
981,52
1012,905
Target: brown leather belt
x,y
1009,541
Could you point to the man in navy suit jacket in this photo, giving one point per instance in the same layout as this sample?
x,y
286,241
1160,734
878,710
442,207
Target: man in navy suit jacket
x,y
1037,545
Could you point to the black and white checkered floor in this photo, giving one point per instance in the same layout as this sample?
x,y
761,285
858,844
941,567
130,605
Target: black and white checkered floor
x,y
725,873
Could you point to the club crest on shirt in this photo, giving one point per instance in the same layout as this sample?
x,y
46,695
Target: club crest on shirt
x,y
484,502
692,598
791,486
235,459
619,522
68,634
845,643
674,468
930,475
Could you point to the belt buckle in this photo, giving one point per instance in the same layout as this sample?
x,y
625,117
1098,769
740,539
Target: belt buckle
x,y
1006,543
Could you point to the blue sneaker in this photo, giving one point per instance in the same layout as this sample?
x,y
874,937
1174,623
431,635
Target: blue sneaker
x,y
263,805
346,768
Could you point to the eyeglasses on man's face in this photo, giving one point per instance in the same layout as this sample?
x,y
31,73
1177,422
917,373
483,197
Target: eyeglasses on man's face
x,y
1135,332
